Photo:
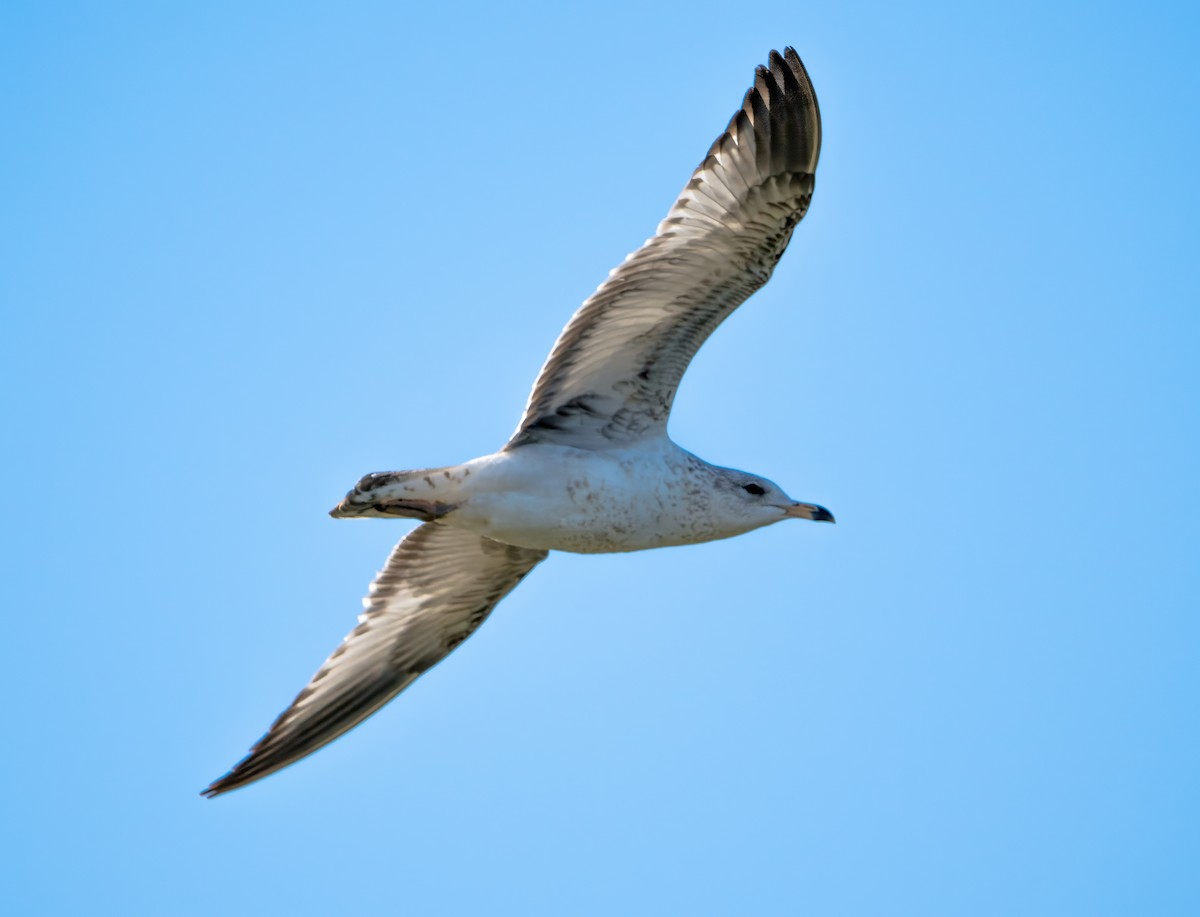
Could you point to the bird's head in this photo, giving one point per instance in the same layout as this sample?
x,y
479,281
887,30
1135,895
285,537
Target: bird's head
x,y
750,501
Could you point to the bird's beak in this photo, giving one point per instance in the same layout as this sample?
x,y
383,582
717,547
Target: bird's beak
x,y
809,511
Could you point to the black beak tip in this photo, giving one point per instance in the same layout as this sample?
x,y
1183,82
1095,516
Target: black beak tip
x,y
823,515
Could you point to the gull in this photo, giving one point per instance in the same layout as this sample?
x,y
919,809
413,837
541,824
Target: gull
x,y
590,468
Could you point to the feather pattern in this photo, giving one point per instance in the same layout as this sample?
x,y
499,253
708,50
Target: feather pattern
x,y
437,587
612,375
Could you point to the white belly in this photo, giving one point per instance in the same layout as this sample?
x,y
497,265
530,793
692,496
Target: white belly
x,y
561,499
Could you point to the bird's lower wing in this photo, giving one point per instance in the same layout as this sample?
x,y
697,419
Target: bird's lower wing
x,y
438,586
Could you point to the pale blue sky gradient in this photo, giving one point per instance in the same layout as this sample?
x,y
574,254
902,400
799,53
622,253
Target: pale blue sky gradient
x,y
249,252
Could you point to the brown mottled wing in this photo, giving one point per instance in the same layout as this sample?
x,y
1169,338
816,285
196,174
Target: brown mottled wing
x,y
612,375
436,588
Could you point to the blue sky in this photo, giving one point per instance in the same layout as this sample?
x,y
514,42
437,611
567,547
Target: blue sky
x,y
252,251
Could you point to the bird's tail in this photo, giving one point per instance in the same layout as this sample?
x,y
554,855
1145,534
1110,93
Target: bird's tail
x,y
426,494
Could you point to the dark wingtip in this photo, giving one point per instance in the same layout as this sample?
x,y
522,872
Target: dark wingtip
x,y
221,785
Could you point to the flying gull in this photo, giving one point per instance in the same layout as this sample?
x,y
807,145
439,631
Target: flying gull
x,y
590,468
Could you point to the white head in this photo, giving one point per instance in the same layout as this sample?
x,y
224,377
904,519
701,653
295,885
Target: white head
x,y
745,501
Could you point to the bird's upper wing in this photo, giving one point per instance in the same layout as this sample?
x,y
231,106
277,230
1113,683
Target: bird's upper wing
x,y
612,375
437,587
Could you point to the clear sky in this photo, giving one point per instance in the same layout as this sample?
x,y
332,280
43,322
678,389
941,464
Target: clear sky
x,y
249,252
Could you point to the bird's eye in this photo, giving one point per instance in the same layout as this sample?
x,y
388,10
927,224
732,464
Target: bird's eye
x,y
753,488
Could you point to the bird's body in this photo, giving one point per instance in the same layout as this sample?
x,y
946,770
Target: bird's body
x,y
590,468
560,498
